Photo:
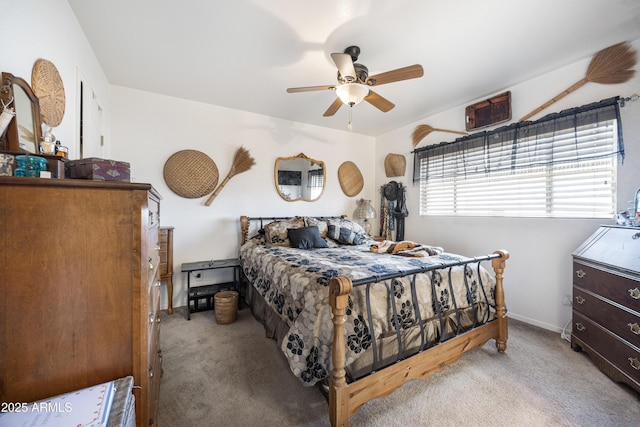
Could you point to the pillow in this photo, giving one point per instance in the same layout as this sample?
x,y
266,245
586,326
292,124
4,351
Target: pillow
x,y
306,238
276,232
320,223
346,232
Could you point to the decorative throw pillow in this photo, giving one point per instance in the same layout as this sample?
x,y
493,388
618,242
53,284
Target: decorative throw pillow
x,y
276,232
306,238
320,223
346,232
343,235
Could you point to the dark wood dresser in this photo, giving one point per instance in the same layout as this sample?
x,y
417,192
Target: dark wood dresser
x,y
606,302
79,289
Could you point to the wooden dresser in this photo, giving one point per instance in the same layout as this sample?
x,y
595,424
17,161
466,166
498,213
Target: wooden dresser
x,y
79,289
606,302
166,263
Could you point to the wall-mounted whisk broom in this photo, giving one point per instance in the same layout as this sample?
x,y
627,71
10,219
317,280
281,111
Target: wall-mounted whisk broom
x,y
242,162
611,65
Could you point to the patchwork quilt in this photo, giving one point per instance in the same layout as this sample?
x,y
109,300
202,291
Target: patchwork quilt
x,y
294,282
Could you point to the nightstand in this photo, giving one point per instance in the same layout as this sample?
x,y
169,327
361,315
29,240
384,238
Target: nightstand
x,y
200,298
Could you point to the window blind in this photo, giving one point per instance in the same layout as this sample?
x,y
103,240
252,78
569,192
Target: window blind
x,y
563,165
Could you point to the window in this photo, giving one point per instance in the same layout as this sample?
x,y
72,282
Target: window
x,y
561,166
315,180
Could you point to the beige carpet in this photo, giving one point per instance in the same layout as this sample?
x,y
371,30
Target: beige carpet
x,y
231,375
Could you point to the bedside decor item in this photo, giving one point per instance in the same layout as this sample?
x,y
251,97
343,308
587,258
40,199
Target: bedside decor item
x,y
394,165
423,130
494,110
242,162
611,65
95,169
190,174
350,178
47,86
365,212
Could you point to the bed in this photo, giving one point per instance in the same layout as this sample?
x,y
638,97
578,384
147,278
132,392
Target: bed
x,y
360,317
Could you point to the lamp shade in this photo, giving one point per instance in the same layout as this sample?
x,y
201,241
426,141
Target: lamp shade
x,y
364,210
352,93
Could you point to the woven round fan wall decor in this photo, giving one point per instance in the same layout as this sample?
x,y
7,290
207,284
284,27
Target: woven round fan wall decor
x,y
47,86
190,174
394,165
350,179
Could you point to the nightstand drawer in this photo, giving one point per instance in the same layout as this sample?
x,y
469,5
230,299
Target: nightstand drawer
x,y
619,289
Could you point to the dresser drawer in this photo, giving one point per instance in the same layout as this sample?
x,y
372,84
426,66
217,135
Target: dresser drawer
x,y
619,289
616,351
625,324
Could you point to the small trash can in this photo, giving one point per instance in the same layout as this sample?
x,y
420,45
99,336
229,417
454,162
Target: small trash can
x,y
226,306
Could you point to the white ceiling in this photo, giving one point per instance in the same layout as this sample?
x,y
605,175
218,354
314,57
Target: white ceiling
x,y
244,54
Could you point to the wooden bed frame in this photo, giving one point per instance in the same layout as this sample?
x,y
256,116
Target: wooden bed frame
x,y
346,398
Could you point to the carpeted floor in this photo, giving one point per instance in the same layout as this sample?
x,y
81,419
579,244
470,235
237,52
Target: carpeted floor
x,y
231,375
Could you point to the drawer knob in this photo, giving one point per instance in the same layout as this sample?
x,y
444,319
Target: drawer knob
x,y
635,363
580,273
580,327
634,293
580,300
635,328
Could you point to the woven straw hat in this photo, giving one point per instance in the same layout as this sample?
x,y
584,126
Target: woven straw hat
x,y
350,179
47,86
190,174
394,165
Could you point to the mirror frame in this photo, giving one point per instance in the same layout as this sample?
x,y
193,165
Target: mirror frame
x,y
11,139
298,157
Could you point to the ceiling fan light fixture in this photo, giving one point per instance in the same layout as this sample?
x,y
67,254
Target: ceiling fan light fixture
x,y
352,93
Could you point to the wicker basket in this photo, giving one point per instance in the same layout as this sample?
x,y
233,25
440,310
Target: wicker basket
x,y
226,306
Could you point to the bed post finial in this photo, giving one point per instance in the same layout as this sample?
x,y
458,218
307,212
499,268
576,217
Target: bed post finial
x,y
500,315
244,228
339,289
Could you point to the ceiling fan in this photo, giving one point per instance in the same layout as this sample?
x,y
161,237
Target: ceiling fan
x,y
354,82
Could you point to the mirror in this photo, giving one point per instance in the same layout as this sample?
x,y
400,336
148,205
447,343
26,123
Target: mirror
x,y
299,178
24,131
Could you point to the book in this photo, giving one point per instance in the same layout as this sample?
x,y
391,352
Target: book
x,y
88,407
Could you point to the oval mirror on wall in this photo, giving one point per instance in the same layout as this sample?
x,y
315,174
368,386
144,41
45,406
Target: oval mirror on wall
x,y
299,178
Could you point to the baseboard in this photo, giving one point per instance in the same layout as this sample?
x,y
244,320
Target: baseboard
x,y
543,325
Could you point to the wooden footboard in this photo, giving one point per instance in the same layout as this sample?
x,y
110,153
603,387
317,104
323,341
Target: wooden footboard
x,y
346,398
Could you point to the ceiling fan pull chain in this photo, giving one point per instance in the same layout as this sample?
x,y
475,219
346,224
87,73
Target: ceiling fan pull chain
x,y
350,124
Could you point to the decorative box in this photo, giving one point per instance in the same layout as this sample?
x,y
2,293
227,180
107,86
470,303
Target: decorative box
x,y
97,169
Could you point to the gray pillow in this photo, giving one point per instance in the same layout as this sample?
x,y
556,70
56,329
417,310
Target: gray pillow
x,y
306,238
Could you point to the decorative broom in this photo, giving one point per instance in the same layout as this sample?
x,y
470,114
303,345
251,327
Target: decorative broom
x,y
242,162
611,65
424,130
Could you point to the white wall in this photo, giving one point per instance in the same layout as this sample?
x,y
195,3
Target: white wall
x,y
148,128
539,273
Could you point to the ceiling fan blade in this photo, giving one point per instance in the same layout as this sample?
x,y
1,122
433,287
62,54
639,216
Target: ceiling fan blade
x,y
405,73
382,104
345,65
333,108
309,88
